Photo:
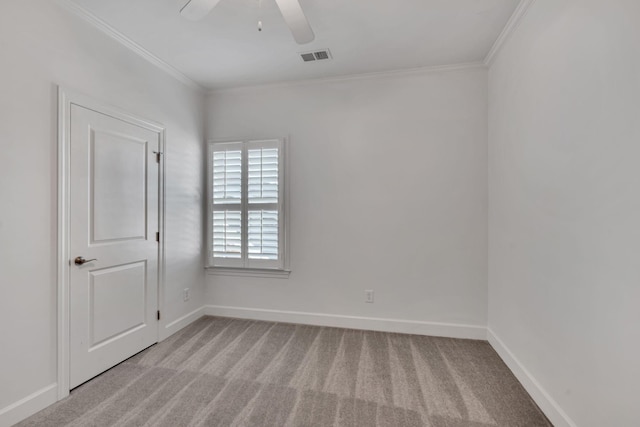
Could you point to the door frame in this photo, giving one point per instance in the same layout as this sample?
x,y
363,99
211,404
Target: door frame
x,y
67,98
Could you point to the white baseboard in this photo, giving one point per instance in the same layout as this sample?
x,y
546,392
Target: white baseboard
x,y
28,406
176,325
549,406
39,400
352,322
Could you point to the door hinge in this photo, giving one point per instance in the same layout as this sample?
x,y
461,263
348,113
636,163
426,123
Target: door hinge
x,y
158,313
158,154
157,236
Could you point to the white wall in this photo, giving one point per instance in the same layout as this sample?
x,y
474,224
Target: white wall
x,y
42,45
388,192
564,180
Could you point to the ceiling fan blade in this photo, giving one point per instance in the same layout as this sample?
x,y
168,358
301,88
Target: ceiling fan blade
x,y
297,22
197,9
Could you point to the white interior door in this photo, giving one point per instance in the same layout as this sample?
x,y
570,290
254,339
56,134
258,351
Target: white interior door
x,y
113,299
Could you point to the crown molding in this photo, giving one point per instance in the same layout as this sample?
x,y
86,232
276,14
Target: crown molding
x,y
128,43
512,24
116,35
350,77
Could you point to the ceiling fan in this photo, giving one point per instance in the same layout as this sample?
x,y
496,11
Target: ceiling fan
x,y
290,9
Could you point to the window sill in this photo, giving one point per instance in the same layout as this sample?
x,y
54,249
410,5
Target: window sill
x,y
246,272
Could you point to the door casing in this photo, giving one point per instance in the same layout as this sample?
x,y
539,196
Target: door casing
x,y
67,98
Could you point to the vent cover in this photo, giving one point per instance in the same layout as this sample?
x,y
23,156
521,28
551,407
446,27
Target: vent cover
x,y
318,55
306,57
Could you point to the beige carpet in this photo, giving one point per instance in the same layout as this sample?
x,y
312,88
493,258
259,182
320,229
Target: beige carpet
x,y
230,372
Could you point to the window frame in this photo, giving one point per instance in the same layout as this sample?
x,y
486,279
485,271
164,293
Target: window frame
x,y
245,265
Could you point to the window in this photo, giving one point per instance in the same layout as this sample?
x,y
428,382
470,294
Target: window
x,y
246,205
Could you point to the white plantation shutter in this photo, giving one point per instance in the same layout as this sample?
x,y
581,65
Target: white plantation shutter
x,y
227,176
247,215
263,175
226,200
263,235
227,234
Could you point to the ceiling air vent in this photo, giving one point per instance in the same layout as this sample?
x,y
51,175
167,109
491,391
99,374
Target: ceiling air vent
x,y
318,55
306,57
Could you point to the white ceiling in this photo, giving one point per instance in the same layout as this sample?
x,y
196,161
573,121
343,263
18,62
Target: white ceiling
x,y
364,36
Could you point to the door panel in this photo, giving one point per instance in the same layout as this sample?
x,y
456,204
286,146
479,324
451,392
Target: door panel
x,y
119,206
114,219
117,301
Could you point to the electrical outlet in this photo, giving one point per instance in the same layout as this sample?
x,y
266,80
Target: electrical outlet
x,y
186,294
368,296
